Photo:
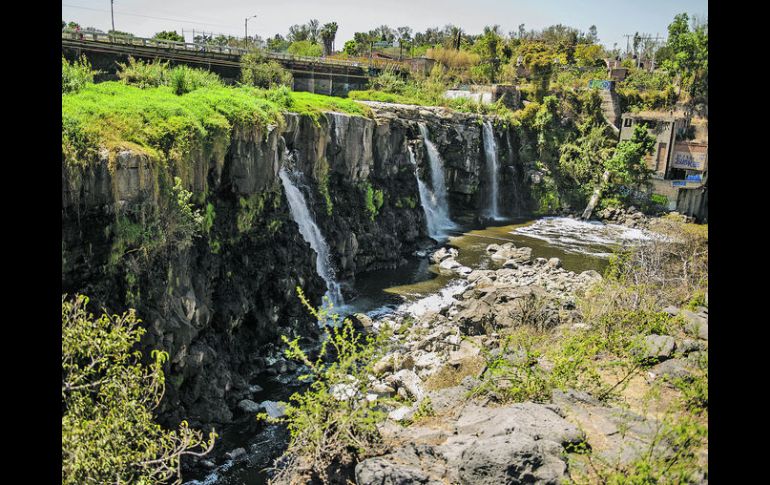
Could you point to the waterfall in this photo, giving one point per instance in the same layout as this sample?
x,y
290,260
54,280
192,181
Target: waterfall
x,y
312,235
427,200
437,210
490,149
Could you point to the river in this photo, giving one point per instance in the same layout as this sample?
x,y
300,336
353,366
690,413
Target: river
x,y
417,285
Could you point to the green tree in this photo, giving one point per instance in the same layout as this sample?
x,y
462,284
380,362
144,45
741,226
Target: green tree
x,y
108,398
539,58
168,35
351,48
627,165
489,46
258,71
305,48
328,34
689,58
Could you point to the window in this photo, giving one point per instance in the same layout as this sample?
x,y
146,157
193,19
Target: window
x,y
628,122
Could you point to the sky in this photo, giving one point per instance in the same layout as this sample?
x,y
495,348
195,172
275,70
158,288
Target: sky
x,y
613,18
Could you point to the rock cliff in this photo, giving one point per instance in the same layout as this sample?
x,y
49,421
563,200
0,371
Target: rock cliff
x,y
217,295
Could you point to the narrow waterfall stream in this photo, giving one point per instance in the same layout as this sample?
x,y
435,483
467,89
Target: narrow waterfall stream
x,y
437,200
312,235
493,169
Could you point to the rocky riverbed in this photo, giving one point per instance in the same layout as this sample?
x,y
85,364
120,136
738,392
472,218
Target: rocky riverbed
x,y
476,440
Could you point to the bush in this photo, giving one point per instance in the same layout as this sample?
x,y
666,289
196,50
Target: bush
x,y
332,423
257,71
184,79
305,48
76,75
143,74
108,398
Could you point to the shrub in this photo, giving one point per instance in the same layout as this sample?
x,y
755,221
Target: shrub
x,y
76,75
143,74
184,79
332,423
108,398
453,58
374,199
257,71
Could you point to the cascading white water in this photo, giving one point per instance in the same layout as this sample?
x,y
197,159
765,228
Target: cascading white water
x,y
437,200
312,235
490,148
427,200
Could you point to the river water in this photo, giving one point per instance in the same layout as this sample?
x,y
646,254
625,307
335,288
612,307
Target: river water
x,y
417,287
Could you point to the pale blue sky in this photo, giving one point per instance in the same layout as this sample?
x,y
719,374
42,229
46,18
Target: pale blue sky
x,y
613,18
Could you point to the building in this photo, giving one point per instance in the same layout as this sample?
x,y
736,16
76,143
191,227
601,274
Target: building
x,y
488,94
678,164
421,65
663,127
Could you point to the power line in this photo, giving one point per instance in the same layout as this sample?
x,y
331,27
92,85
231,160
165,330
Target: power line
x,y
146,16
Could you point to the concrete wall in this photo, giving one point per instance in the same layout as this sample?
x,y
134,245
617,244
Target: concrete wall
x,y
663,129
694,202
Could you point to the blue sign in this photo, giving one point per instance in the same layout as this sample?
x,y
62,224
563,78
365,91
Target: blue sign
x,y
678,183
693,178
598,84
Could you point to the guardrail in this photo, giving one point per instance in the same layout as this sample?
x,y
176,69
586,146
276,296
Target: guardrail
x,y
127,40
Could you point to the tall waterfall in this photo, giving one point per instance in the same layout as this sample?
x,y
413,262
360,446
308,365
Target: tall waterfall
x,y
427,200
312,235
437,210
493,168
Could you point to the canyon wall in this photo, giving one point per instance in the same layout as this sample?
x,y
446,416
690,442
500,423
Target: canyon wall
x,y
217,293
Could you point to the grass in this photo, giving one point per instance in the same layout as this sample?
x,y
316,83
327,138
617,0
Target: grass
x,y
164,125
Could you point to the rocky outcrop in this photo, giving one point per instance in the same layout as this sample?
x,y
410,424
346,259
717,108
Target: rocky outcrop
x,y
216,300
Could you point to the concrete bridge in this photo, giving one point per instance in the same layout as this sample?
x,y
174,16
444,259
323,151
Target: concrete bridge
x,y
313,74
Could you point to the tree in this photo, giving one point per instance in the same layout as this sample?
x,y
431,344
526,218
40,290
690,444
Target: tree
x,y
404,35
351,48
257,71
169,35
328,33
298,33
314,30
305,48
689,59
108,398
627,165
277,43
488,46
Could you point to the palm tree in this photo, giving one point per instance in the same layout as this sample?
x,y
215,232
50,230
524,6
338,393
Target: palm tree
x,y
328,33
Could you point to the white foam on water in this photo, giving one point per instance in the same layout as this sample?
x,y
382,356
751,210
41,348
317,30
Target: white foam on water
x,y
586,237
434,302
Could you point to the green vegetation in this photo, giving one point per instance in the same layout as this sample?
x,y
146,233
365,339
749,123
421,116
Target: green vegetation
x,y
605,357
168,127
329,423
108,397
169,35
74,76
373,198
257,71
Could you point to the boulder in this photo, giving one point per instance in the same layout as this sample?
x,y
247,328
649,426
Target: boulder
x,y
380,471
554,263
249,406
658,347
236,454
409,381
695,324
274,409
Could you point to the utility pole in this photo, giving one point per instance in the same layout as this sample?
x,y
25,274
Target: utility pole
x,y
112,14
246,28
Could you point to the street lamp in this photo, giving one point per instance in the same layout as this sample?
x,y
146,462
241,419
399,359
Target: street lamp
x,y
246,27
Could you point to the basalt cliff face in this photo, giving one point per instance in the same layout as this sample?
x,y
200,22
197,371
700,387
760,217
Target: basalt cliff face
x,y
216,294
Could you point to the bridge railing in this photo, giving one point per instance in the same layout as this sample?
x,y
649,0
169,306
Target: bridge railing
x,y
122,39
